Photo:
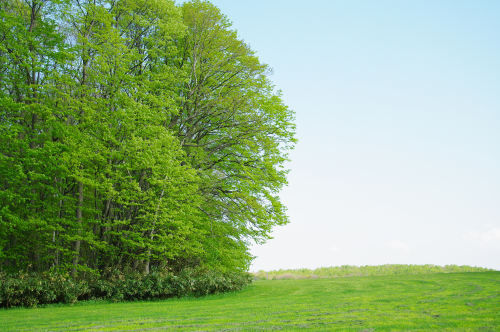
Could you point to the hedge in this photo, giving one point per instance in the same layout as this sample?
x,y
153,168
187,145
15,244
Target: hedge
x,y
32,289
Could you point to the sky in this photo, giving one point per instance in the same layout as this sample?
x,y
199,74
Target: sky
x,y
398,120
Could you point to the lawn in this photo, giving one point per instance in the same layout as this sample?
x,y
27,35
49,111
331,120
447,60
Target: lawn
x,y
441,301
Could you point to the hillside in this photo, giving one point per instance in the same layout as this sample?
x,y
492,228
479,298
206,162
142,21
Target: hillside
x,y
440,301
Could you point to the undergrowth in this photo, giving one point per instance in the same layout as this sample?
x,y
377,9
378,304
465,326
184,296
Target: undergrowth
x,y
32,289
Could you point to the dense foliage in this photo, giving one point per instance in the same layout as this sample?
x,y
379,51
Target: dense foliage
x,y
32,289
135,135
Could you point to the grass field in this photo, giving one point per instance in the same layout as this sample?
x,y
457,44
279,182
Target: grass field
x,y
442,301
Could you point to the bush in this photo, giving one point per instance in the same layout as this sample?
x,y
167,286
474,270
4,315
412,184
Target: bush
x,y
351,270
32,289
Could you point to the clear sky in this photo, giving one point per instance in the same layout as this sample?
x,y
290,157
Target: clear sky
x,y
398,116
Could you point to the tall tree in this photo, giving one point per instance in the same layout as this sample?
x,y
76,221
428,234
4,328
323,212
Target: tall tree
x,y
134,135
234,128
32,53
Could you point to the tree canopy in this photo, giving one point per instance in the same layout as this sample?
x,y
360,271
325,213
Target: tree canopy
x,y
134,135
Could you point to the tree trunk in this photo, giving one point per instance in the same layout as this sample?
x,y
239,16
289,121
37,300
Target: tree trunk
x,y
78,242
152,233
146,266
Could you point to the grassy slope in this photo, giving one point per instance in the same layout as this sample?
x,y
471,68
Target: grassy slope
x,y
453,301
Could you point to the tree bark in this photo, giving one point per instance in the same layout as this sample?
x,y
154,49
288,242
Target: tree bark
x,y
78,242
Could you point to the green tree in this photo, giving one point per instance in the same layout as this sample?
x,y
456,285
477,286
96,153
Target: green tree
x,y
134,135
235,130
32,54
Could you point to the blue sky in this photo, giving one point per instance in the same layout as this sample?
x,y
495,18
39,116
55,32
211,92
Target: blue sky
x,y
398,121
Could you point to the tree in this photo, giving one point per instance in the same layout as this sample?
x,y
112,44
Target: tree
x,y
235,130
134,135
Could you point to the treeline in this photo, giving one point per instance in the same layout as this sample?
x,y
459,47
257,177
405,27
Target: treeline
x,y
135,135
365,270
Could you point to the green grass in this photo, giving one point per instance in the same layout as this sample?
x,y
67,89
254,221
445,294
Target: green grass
x,y
442,301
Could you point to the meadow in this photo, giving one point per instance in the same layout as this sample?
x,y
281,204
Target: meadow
x,y
465,301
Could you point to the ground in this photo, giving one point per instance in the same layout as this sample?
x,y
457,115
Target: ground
x,y
441,301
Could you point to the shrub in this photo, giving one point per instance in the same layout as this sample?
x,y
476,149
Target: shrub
x,y
350,270
32,289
